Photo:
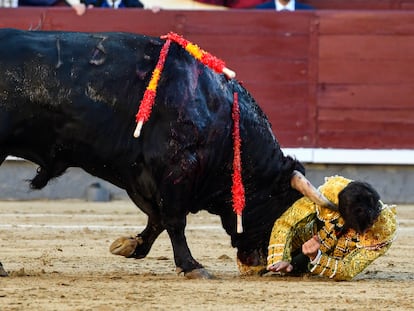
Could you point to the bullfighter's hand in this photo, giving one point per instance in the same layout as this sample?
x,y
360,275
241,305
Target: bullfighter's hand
x,y
310,247
281,266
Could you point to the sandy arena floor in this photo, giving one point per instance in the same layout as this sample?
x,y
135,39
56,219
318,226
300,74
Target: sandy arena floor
x,y
57,255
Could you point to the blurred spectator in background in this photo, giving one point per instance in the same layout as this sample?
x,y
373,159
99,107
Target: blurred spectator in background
x,y
37,2
114,3
235,4
9,3
278,5
80,5
283,5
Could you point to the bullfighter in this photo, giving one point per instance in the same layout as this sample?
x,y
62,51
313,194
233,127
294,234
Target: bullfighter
x,y
340,244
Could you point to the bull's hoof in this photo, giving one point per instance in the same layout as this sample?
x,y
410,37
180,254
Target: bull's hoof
x,y
2,271
125,246
200,273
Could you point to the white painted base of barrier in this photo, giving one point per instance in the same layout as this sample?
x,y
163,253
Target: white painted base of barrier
x,y
343,156
352,156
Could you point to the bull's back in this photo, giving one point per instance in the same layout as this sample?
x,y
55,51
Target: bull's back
x,y
93,83
69,64
72,97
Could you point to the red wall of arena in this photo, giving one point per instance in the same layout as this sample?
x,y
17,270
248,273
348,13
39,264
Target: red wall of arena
x,y
326,78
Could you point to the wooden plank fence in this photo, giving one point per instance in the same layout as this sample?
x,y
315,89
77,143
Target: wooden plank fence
x,y
334,78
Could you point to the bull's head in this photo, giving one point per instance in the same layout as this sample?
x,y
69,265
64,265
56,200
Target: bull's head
x,y
254,263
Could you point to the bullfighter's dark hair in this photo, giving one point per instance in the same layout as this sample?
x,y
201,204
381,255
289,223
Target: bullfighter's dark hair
x,y
359,206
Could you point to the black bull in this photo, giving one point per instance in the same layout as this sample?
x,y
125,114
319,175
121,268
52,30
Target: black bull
x,y
70,99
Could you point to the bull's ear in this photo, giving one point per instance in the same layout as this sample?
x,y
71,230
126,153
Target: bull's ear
x,y
304,186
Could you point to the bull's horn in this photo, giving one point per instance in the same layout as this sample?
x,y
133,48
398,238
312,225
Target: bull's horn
x,y
300,183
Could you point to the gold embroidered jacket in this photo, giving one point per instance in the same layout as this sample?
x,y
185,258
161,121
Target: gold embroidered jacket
x,y
341,258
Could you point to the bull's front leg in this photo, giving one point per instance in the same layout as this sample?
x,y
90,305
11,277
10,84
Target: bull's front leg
x,y
184,261
139,246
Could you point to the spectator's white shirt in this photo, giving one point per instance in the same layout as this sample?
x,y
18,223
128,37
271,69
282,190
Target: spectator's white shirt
x,y
290,6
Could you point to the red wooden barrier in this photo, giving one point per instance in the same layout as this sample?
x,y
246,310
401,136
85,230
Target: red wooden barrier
x,y
325,78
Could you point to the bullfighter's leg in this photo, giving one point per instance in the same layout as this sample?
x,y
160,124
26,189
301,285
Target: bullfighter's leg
x,y
140,245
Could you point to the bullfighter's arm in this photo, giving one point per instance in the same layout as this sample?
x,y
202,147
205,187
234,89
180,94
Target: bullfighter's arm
x,y
284,236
